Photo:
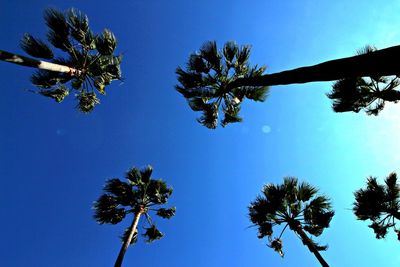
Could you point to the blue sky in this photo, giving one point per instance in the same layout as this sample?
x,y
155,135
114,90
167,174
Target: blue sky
x,y
55,160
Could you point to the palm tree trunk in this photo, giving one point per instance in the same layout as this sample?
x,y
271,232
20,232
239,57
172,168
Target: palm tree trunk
x,y
125,245
34,63
384,62
311,246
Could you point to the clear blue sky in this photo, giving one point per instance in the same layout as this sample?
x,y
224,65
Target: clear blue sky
x,y
55,160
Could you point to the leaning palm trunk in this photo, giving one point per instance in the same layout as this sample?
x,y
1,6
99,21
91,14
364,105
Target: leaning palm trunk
x,y
34,63
128,240
384,62
306,240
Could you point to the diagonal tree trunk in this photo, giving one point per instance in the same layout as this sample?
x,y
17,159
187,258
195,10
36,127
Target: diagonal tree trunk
x,y
306,240
382,62
34,63
125,245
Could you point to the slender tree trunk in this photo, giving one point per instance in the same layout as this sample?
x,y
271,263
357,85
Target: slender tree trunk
x,y
311,246
125,245
384,62
34,63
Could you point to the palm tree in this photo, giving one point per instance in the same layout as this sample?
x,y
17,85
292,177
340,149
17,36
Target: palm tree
x,y
205,82
88,67
369,94
217,80
379,203
139,195
294,205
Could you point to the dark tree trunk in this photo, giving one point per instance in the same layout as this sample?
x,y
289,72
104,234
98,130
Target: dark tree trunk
x,y
34,63
125,245
389,95
311,246
384,62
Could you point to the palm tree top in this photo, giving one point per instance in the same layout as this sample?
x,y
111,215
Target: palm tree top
x,y
291,204
379,203
139,194
364,93
90,57
204,82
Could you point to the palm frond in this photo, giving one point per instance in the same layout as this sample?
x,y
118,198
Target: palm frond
x,y
392,188
158,192
87,102
197,64
231,115
152,234
146,174
275,196
197,103
277,245
380,230
265,229
107,210
230,50
318,246
36,47
100,85
121,191
259,211
47,79
134,176
189,79
210,116
243,55
166,213
59,29
290,190
58,93
209,52
106,43
79,24
347,96
306,191
256,93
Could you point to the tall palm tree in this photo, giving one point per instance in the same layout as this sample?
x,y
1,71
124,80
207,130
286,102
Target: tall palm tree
x,y
217,80
88,66
139,195
295,206
369,93
379,203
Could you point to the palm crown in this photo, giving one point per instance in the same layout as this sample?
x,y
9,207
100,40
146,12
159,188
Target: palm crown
x,y
204,82
139,195
90,56
294,205
379,203
369,94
